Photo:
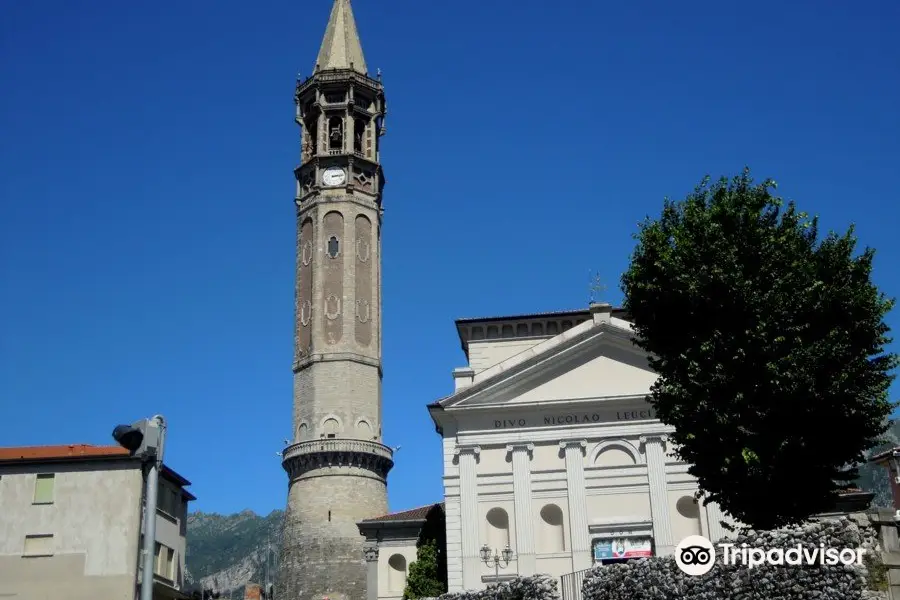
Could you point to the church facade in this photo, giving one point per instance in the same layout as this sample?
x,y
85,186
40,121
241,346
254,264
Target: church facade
x,y
550,449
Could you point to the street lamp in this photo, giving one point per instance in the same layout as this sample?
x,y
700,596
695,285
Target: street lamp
x,y
497,560
145,439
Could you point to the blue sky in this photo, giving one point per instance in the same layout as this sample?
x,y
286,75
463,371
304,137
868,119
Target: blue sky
x,y
147,230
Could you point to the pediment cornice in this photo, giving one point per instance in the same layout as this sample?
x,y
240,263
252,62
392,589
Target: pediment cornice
x,y
494,389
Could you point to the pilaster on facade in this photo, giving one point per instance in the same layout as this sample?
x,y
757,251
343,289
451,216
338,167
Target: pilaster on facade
x,y
654,448
715,517
370,553
467,457
522,501
574,452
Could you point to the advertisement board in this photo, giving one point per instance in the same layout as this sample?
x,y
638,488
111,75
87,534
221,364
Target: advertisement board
x,y
629,547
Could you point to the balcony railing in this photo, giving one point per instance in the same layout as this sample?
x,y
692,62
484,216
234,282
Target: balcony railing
x,y
336,446
571,583
339,75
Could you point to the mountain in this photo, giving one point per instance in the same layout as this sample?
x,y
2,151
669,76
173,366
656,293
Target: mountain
x,y
874,478
225,552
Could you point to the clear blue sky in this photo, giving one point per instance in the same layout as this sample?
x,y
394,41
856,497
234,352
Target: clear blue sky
x,y
147,229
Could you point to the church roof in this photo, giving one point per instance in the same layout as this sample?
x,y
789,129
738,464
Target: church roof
x,y
556,313
341,48
464,327
414,514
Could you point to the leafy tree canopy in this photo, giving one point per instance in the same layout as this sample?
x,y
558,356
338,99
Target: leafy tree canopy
x,y
423,580
770,346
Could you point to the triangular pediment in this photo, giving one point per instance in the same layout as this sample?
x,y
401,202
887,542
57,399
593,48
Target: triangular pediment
x,y
600,362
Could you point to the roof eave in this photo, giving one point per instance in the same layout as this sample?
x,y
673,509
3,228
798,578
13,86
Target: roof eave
x,y
380,523
68,459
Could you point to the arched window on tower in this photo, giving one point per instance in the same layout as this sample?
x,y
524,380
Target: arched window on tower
x,y
331,427
335,134
359,137
311,139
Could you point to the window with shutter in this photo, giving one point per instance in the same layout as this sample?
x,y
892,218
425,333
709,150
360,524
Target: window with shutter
x,y
38,545
43,488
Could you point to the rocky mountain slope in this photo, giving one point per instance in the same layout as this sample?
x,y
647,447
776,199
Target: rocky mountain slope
x,y
225,552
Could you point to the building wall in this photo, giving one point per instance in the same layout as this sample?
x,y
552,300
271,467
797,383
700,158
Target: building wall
x,y
487,353
394,558
615,489
560,457
171,528
94,518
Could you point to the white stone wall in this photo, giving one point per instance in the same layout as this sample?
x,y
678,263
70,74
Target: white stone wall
x,y
394,558
551,455
487,353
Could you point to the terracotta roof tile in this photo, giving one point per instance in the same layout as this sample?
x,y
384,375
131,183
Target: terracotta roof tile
x,y
58,452
414,514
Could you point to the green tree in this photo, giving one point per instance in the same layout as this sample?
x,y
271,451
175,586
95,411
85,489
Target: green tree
x,y
424,579
770,346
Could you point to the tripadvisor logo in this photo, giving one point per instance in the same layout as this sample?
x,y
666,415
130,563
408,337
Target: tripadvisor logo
x,y
696,555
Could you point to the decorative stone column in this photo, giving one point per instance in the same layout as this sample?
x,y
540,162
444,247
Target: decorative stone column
x,y
579,536
370,551
468,499
522,498
715,517
654,447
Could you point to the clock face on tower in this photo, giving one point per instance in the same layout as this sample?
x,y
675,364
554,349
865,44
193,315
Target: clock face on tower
x,y
333,176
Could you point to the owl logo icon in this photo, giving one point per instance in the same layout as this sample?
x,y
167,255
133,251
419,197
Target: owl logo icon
x,y
695,555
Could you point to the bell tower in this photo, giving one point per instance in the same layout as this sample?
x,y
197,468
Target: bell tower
x,y
337,464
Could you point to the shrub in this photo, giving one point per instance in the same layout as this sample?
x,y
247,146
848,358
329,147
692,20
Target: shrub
x,y
659,578
537,587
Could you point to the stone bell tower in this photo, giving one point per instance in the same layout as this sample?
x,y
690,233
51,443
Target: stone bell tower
x,y
337,464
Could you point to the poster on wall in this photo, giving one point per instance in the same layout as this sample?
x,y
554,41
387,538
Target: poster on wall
x,y
629,547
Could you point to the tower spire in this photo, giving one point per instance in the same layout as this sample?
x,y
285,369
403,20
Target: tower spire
x,y
341,48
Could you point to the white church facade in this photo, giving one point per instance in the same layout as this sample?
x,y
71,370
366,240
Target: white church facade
x,y
551,449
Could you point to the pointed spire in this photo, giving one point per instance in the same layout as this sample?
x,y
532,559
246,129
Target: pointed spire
x,y
340,47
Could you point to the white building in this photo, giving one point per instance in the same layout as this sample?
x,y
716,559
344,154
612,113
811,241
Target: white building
x,y
551,448
71,523
391,547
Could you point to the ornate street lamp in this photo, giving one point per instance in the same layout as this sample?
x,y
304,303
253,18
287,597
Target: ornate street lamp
x,y
497,561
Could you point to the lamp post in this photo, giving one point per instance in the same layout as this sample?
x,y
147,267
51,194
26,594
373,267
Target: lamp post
x,y
497,561
145,439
